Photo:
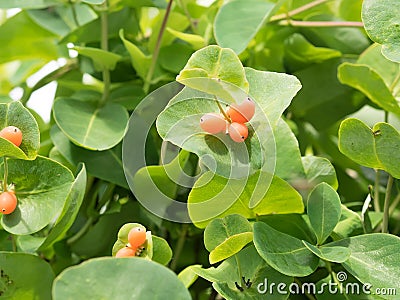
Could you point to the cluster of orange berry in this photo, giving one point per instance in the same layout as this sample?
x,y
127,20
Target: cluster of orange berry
x,y
233,123
8,200
136,238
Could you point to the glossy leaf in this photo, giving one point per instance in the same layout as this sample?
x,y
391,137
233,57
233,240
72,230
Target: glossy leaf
x,y
93,128
324,210
19,276
374,259
162,252
283,252
42,187
215,197
373,148
300,53
370,83
29,4
237,22
19,37
106,165
15,114
196,41
227,236
334,254
102,60
156,281
319,169
210,69
381,20
188,276
69,211
253,268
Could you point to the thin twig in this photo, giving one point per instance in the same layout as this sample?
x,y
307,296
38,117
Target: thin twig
x,y
385,222
104,46
297,10
320,23
157,48
179,246
377,206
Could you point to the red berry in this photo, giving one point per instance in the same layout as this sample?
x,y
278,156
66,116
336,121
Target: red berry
x,y
126,252
137,237
8,202
238,132
12,134
213,123
243,112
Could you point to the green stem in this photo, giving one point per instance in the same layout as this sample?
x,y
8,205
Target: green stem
x,y
385,222
150,73
395,81
295,23
376,192
5,166
74,15
81,232
185,10
297,10
222,110
179,246
104,46
394,204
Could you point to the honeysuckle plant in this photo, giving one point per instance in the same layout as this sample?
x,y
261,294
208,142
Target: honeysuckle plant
x,y
124,193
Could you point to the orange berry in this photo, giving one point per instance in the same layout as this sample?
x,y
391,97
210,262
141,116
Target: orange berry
x,y
126,252
213,123
8,202
243,112
12,134
238,132
137,237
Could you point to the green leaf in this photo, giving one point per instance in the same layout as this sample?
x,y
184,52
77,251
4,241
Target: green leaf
x,y
349,225
324,210
188,276
29,4
94,2
334,254
272,91
299,52
227,236
381,21
69,211
288,157
172,62
356,140
106,165
19,276
15,114
230,247
196,41
214,196
102,60
371,148
216,71
157,186
21,38
387,143
42,187
237,22
93,128
140,62
155,281
374,259
283,252
162,252
253,268
324,95
366,80
319,169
